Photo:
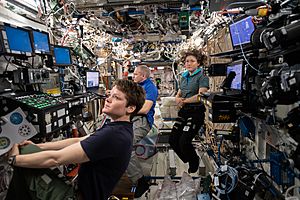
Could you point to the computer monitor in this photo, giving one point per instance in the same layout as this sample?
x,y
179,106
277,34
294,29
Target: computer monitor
x,y
41,42
237,67
16,40
241,31
92,80
61,56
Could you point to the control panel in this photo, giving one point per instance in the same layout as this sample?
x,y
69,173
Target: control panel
x,y
48,114
39,101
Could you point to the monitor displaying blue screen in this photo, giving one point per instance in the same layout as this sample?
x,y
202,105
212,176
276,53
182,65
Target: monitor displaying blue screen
x,y
18,40
62,55
92,79
241,31
237,67
41,42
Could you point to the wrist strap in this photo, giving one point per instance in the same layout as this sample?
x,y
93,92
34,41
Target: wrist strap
x,y
12,160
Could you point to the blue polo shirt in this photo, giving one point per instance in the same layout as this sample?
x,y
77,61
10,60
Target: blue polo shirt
x,y
190,84
151,95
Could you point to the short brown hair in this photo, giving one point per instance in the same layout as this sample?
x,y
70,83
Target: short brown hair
x,y
198,54
134,94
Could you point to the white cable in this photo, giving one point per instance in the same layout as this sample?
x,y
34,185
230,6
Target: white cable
x,y
174,73
287,193
241,47
239,2
71,72
255,179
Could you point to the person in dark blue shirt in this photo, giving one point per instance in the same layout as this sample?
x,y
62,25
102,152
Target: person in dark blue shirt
x,y
142,123
104,155
191,114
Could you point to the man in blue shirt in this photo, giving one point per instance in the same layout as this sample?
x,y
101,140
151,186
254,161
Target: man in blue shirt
x,y
142,123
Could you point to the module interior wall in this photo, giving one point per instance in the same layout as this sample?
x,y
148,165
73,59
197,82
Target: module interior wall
x,y
221,42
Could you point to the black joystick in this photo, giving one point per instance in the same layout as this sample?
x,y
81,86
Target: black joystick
x,y
226,84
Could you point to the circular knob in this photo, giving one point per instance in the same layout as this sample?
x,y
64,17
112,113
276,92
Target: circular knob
x,y
45,74
16,118
38,75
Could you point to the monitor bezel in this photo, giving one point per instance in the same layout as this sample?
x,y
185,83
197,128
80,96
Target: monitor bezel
x,y
54,60
245,45
242,62
95,87
48,37
4,40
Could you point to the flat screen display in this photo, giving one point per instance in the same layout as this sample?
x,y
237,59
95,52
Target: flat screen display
x,y
18,40
241,31
41,42
237,67
92,79
62,55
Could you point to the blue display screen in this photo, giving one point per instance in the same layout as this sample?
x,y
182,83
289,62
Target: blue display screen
x,y
62,56
238,69
241,31
18,40
41,42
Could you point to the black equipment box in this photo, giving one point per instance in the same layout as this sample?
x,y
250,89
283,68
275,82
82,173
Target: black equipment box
x,y
30,76
48,114
222,108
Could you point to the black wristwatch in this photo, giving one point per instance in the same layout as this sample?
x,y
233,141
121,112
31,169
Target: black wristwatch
x,y
12,160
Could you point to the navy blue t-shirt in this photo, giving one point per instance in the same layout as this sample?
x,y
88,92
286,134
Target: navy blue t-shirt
x,y
109,150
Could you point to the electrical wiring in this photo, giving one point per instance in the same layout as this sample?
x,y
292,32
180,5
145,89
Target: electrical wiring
x,y
110,14
5,177
22,87
286,195
223,186
257,176
174,73
52,14
54,36
8,62
141,25
258,159
238,3
65,8
32,61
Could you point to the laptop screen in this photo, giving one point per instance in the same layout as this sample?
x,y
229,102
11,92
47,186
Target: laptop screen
x,y
241,31
62,56
92,80
41,42
18,40
237,67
